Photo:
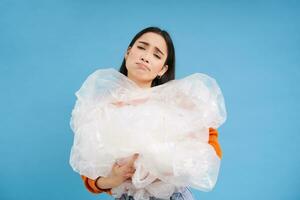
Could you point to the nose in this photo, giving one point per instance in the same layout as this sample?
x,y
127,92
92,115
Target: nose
x,y
145,58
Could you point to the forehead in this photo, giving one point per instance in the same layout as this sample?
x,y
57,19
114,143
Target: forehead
x,y
154,40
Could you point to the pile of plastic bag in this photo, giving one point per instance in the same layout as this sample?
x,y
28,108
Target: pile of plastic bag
x,y
168,125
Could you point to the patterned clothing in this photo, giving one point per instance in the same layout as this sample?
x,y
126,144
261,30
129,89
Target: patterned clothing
x,y
184,194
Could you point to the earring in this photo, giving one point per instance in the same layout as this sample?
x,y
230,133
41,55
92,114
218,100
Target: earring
x,y
158,77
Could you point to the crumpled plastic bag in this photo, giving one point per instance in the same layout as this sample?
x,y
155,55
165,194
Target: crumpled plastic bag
x,y
168,125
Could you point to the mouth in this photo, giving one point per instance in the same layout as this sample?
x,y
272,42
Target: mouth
x,y
143,66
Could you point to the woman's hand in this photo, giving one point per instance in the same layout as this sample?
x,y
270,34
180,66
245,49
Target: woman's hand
x,y
124,170
119,174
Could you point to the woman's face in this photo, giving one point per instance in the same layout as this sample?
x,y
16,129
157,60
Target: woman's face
x,y
145,59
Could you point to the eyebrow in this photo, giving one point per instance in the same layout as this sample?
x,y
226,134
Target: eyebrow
x,y
147,44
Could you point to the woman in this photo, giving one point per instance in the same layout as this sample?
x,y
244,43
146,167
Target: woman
x,y
149,61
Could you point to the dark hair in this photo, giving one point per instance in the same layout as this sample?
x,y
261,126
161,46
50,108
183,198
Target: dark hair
x,y
170,61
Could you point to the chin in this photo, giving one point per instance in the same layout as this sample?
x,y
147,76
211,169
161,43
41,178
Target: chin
x,y
142,77
140,72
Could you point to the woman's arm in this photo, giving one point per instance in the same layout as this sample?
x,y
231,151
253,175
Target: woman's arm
x,y
93,187
118,174
213,140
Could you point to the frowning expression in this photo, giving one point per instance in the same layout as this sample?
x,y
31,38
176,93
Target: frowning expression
x,y
145,59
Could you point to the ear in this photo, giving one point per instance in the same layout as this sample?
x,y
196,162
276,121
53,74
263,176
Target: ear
x,y
127,52
163,70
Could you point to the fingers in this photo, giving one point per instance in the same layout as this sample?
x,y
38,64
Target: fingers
x,y
132,160
131,170
115,165
128,175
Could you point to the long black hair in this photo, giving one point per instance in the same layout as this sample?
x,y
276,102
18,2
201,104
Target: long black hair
x,y
170,61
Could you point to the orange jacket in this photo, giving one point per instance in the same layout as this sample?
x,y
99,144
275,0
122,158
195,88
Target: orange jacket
x,y
90,184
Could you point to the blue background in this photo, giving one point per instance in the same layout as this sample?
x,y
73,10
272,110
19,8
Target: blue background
x,y
252,48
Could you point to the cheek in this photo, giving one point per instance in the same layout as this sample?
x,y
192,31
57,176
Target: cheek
x,y
157,66
131,58
134,54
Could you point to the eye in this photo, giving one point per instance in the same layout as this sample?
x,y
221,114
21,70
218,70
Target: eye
x,y
139,47
157,56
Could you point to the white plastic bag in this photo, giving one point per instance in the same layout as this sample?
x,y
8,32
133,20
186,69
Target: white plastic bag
x,y
168,125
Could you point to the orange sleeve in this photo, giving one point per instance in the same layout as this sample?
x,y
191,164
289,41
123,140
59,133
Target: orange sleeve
x,y
90,185
213,140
